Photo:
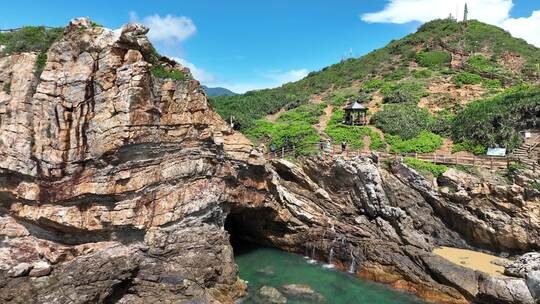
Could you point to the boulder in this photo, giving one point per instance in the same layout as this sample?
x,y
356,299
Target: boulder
x,y
269,295
524,264
504,290
40,269
302,291
20,270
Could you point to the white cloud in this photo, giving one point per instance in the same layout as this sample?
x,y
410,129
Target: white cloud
x,y
525,28
200,74
496,12
403,11
168,29
287,76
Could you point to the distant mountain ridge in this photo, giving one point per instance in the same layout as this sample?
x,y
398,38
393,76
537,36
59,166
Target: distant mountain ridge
x,y
218,91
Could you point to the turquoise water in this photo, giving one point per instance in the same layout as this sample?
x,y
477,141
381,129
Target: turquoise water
x,y
271,267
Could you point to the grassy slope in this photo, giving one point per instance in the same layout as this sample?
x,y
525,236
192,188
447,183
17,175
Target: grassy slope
x,y
389,63
489,62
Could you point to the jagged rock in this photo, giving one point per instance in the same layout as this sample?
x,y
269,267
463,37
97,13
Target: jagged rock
x,y
304,292
40,269
270,295
20,270
523,265
504,290
123,182
533,283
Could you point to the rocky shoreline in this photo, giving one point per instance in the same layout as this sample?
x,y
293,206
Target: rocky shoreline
x,y
117,186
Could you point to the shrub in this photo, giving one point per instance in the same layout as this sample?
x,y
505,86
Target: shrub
x,y
340,97
308,113
301,135
399,96
29,39
41,61
160,71
372,85
7,88
425,142
405,91
442,123
403,120
469,147
424,167
433,59
491,84
397,74
422,73
467,78
497,121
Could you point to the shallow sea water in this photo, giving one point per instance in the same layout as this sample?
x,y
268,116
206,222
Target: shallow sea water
x,y
271,267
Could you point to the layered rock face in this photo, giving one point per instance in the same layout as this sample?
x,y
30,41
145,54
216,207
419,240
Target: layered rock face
x,y
116,187
114,183
383,224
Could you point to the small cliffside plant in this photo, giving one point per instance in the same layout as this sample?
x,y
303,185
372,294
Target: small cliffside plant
x,y
160,71
7,88
41,61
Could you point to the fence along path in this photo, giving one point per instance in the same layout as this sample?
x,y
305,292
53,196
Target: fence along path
x,y
489,162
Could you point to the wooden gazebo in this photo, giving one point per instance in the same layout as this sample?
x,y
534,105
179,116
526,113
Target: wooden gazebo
x,y
355,114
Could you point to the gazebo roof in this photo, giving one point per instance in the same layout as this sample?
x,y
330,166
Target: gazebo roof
x,y
356,106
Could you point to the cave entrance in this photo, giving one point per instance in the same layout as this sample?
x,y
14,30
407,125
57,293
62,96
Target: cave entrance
x,y
250,228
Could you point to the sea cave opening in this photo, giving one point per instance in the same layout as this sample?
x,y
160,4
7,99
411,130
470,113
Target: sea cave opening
x,y
250,228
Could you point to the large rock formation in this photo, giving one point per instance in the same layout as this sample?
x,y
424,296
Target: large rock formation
x,y
116,186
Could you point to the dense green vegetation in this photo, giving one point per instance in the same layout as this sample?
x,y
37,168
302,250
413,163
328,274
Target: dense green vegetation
x,y
293,128
466,78
403,120
309,114
29,39
425,142
467,146
352,135
433,59
425,168
300,135
497,121
386,69
340,97
160,71
403,92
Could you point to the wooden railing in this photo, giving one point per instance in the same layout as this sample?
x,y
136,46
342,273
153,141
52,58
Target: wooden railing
x,y
489,162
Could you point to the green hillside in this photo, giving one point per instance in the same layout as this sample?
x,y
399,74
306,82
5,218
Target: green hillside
x,y
427,80
431,47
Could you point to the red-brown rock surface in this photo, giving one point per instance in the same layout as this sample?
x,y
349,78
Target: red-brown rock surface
x,y
116,186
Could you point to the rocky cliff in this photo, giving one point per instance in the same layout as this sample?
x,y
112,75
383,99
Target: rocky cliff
x,y
116,187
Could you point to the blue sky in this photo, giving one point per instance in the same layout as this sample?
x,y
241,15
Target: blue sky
x,y
246,45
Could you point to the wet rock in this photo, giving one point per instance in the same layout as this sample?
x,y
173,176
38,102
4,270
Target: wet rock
x,y
302,291
270,295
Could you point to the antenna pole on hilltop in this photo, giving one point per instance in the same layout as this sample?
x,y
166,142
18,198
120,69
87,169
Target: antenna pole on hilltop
x,y
466,13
